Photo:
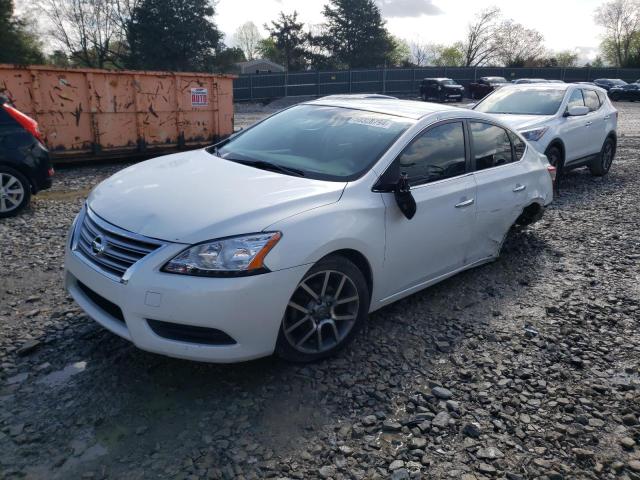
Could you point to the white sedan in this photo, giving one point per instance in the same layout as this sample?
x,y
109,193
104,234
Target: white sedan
x,y
285,236
574,125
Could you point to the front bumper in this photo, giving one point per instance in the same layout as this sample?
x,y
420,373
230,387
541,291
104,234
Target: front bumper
x,y
247,309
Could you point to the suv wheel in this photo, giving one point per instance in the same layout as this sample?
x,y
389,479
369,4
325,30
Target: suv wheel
x,y
554,155
15,192
602,163
325,311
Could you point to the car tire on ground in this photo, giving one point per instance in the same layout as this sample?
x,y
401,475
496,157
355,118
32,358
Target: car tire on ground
x,y
602,163
554,155
327,308
15,192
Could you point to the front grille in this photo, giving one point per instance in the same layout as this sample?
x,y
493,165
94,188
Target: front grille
x,y
109,307
190,333
108,247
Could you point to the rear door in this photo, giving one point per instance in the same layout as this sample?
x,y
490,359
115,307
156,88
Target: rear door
x,y
501,181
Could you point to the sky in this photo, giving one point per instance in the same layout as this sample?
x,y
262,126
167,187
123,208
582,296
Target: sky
x,y
565,24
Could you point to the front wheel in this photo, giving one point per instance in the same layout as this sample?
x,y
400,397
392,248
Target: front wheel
x,y
602,163
326,309
15,192
554,155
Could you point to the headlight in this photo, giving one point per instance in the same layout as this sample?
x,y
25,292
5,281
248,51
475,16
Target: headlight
x,y
534,135
235,256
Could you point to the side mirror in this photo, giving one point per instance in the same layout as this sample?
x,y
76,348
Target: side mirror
x,y
404,198
576,111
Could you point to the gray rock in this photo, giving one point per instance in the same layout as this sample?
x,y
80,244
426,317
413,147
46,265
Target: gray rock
x,y
441,393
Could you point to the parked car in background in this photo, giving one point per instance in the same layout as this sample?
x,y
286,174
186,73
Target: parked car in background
x,y
25,167
555,81
521,81
573,125
318,215
441,90
485,86
630,92
607,83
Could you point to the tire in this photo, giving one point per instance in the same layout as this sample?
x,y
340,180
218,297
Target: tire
x,y
15,192
602,163
313,309
555,157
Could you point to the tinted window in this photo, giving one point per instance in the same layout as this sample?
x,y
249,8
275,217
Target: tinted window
x,y
491,145
591,100
435,155
529,101
518,145
329,143
576,99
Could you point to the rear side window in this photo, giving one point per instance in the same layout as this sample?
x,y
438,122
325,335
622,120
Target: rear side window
x,y
436,154
601,97
576,99
491,145
518,146
591,100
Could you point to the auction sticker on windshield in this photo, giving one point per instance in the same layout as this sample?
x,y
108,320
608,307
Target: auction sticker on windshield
x,y
371,122
199,97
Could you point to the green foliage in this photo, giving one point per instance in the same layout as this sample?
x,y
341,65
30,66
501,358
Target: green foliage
x,y
566,59
450,56
226,60
17,43
355,34
289,41
400,53
173,35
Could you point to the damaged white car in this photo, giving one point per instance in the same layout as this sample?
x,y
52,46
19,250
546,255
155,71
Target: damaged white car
x,y
286,236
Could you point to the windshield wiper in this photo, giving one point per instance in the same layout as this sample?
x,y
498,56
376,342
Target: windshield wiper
x,y
264,165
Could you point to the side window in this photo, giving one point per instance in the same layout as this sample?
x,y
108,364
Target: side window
x,y
518,146
601,97
576,99
591,100
435,155
491,145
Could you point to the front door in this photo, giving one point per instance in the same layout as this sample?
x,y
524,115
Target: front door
x,y
435,241
576,131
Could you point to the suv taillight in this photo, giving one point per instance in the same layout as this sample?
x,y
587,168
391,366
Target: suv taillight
x,y
28,123
553,172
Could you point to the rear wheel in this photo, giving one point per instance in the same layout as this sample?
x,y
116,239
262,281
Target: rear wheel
x,y
325,311
15,192
602,163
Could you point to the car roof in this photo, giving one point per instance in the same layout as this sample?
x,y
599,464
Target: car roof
x,y
439,79
550,86
389,106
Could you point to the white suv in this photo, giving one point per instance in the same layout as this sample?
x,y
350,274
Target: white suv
x,y
573,125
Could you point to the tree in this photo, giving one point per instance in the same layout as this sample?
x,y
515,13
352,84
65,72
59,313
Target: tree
x,y
400,53
227,59
290,39
356,34
566,59
89,31
480,47
621,21
173,35
17,43
517,46
268,49
424,54
247,38
450,56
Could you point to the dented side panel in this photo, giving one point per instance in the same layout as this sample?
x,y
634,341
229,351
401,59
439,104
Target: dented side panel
x,y
88,113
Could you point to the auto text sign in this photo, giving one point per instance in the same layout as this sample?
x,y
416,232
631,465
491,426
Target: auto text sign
x,y
199,97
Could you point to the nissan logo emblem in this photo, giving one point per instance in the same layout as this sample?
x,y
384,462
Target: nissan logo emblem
x,y
98,245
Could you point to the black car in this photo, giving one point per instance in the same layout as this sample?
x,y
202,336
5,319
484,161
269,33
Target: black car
x,y
441,90
629,92
607,83
25,167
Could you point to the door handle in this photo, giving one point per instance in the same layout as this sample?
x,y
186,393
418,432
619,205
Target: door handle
x,y
588,124
519,188
466,203
607,117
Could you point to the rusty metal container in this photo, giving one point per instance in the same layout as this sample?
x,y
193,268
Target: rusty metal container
x,y
94,114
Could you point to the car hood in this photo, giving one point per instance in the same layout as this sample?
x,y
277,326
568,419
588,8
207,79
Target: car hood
x,y
195,196
524,122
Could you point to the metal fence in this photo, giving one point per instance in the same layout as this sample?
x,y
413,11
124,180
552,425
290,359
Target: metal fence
x,y
398,80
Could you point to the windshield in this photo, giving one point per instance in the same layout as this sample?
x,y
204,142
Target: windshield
x,y
496,80
522,102
449,82
321,142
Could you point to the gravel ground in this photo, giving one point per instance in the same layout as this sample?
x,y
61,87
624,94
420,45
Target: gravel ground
x,y
528,367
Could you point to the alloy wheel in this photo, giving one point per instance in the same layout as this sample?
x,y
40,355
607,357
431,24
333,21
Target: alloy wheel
x,y
11,192
321,312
